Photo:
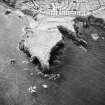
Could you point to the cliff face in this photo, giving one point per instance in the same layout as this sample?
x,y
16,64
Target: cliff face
x,y
39,42
78,59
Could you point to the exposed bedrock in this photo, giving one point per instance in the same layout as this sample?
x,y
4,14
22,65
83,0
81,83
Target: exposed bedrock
x,y
82,80
95,27
54,55
86,28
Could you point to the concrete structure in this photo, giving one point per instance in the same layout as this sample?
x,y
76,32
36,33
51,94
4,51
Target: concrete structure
x,y
69,7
